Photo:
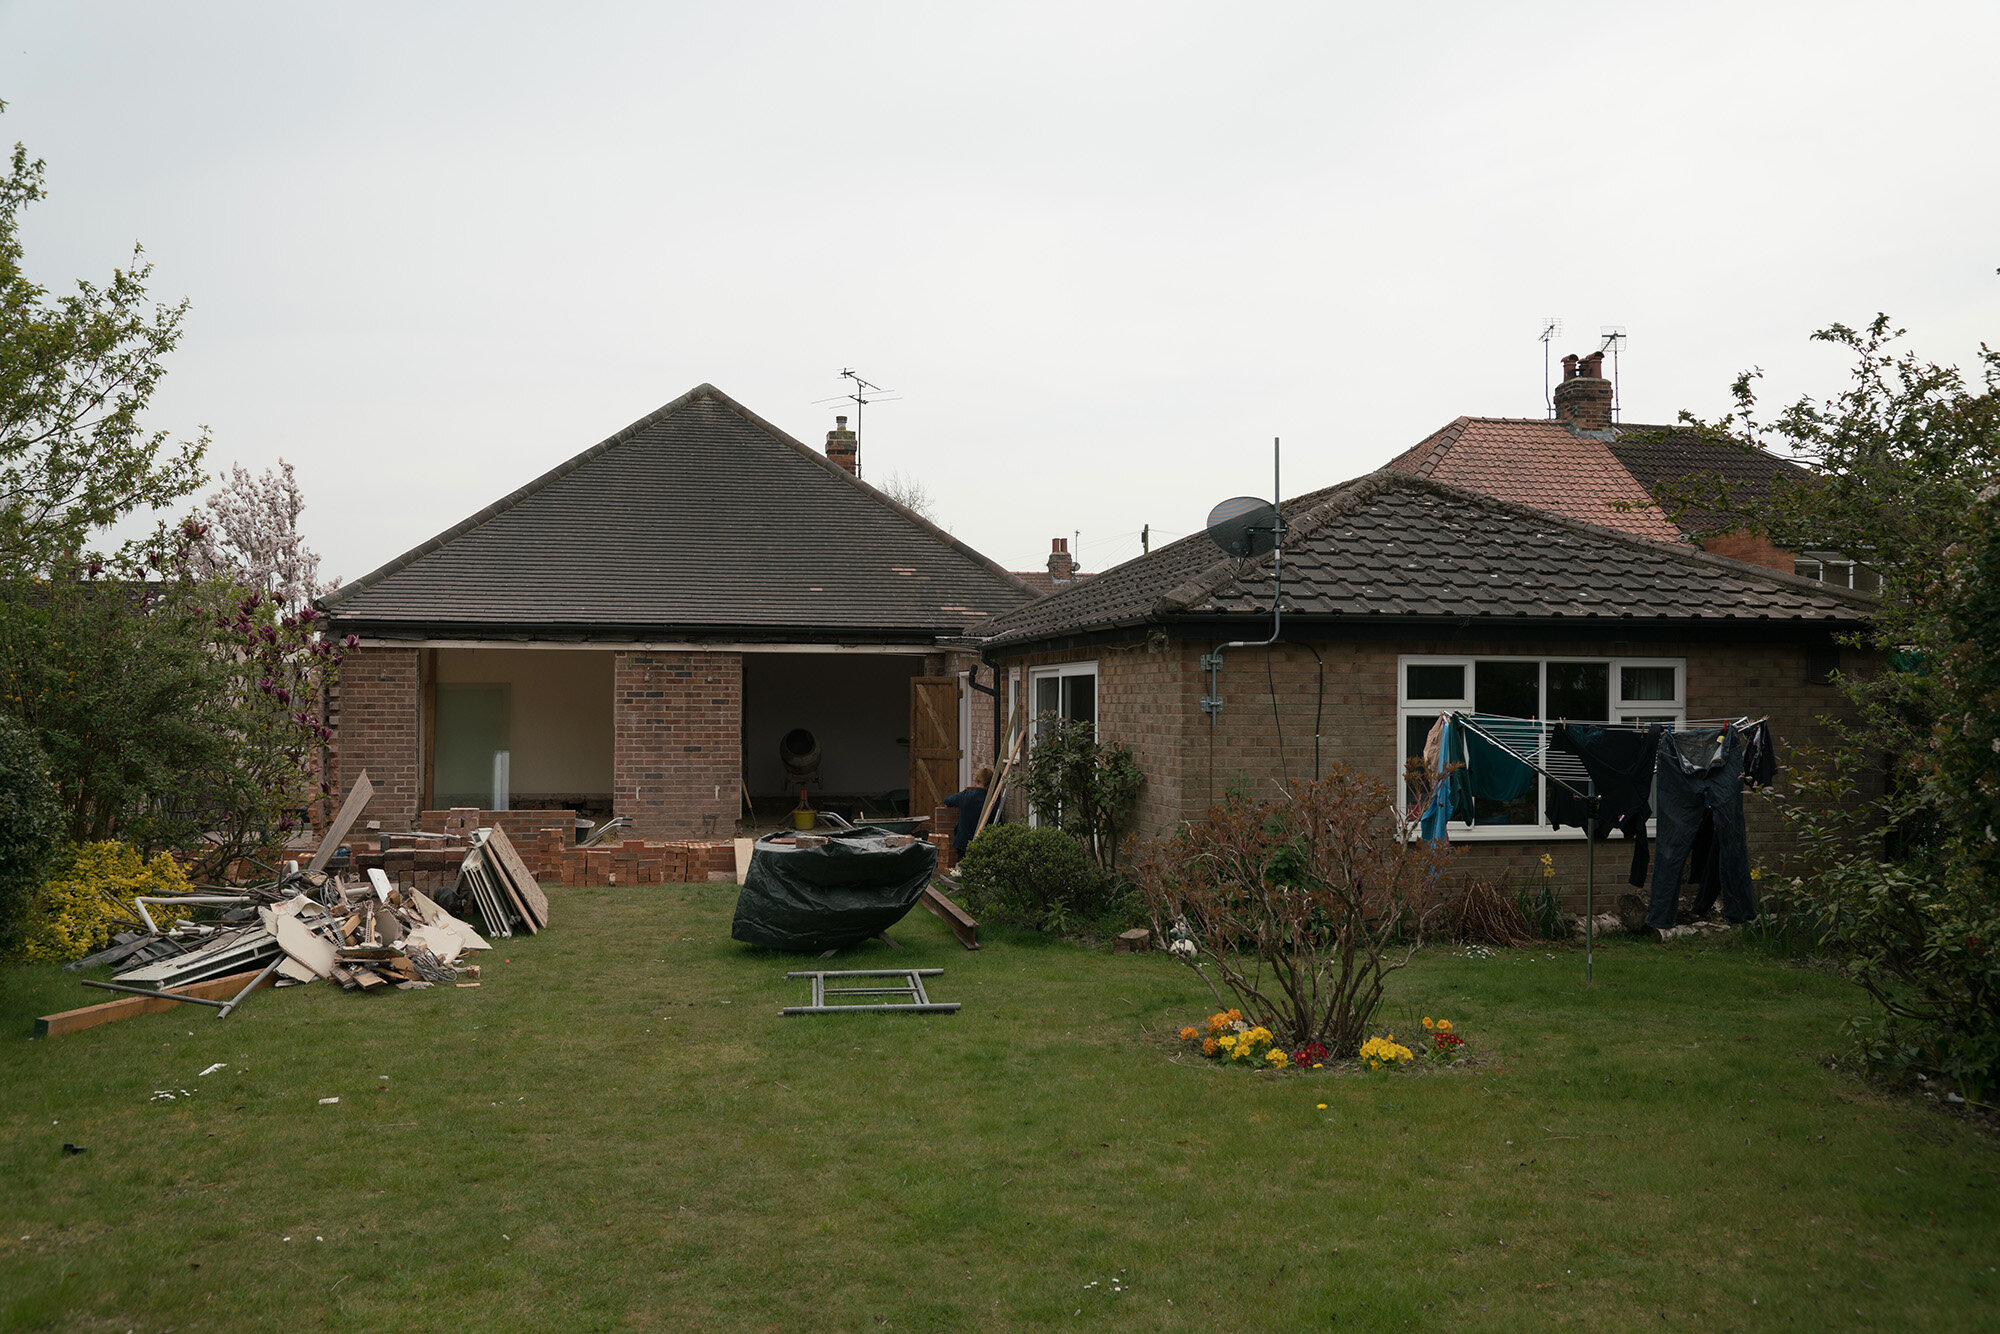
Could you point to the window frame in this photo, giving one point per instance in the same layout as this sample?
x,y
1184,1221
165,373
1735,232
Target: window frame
x,y
1620,708
1058,672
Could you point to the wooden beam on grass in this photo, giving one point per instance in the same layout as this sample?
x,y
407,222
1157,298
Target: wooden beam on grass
x,y
90,1016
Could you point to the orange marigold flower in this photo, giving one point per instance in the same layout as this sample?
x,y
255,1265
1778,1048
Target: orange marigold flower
x,y
1188,1034
1209,1047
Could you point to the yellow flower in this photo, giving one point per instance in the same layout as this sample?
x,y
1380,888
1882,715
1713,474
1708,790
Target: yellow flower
x,y
1277,1058
1226,1042
1428,1023
1444,1025
1316,1066
1322,1106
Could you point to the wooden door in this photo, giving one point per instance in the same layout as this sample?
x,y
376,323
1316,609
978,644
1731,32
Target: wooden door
x,y
934,751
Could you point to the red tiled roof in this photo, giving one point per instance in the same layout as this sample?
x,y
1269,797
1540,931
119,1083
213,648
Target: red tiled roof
x,y
1540,464
1044,582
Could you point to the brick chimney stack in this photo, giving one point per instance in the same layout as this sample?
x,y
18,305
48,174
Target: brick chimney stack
x,y
1062,565
1583,399
842,447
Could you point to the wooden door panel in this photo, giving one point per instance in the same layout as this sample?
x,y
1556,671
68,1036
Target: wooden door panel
x,y
934,748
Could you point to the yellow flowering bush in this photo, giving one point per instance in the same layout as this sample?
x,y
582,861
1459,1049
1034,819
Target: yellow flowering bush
x,y
1380,1053
73,913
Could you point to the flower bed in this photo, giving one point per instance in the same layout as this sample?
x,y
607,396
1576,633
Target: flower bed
x,y
1229,1038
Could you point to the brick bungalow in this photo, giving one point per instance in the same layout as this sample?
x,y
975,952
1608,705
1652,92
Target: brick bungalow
x,y
637,629
1404,596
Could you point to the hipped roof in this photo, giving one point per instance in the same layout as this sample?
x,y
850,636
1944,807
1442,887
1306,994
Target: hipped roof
x,y
700,519
1391,546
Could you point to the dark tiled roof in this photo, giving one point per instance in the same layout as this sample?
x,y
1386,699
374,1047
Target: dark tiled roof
x,y
1395,545
1657,455
700,517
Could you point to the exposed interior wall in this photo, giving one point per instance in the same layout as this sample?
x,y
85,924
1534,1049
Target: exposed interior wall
x,y
857,705
558,723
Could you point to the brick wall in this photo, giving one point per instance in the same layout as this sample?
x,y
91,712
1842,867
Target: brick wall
x,y
677,741
1148,699
374,712
1751,549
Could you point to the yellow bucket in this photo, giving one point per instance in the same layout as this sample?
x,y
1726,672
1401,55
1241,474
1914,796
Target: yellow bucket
x,y
803,819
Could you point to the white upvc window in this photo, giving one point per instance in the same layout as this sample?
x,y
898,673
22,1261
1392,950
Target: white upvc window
x,y
1550,690
1065,690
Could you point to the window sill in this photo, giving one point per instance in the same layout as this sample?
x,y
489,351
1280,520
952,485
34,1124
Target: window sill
x,y
1529,833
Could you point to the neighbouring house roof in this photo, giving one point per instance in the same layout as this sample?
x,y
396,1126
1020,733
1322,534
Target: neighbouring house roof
x,y
1392,545
700,519
1613,482
1042,581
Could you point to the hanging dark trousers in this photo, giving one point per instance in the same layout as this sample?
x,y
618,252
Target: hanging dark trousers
x,y
1700,773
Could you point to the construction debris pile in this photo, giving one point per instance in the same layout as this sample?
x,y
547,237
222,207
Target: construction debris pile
x,y
360,932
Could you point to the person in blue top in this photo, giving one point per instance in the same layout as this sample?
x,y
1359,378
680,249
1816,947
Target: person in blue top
x,y
969,804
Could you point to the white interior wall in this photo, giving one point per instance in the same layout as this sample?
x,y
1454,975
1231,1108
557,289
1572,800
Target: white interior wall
x,y
858,707
559,719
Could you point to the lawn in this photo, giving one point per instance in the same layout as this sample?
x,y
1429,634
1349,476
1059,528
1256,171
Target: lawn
x,y
618,1131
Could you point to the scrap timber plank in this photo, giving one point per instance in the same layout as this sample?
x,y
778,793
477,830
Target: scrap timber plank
x,y
90,1016
350,811
958,919
499,848
500,885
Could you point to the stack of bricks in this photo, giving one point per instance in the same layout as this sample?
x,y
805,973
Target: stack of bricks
x,y
945,819
430,870
633,862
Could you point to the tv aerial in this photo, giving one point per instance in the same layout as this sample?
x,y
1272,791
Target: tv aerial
x,y
1551,330
863,393
1614,339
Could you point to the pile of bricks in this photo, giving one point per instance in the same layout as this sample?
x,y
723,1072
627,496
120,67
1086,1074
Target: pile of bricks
x,y
633,862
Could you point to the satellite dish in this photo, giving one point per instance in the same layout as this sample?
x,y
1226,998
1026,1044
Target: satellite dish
x,y
1245,526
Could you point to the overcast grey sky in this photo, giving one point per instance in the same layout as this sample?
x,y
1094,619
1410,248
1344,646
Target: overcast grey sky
x,y
1104,252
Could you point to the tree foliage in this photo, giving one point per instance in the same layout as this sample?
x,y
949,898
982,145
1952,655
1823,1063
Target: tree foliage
x,y
1296,911
1896,814
28,825
76,371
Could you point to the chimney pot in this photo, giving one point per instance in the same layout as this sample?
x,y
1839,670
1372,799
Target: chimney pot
x,y
1583,399
842,447
1062,565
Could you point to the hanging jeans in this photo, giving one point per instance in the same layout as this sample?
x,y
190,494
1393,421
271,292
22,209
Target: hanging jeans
x,y
1700,772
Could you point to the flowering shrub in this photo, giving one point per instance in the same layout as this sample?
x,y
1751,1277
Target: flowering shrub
x,y
1228,1037
73,914
1297,910
1379,1053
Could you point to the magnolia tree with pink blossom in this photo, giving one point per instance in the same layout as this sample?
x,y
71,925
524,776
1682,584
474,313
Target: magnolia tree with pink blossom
x,y
245,547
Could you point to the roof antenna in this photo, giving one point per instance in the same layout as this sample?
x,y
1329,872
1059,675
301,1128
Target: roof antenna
x,y
1551,330
1614,338
865,392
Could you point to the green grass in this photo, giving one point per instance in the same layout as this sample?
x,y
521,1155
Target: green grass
x,y
618,1131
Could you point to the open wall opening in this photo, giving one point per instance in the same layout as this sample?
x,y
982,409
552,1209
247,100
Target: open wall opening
x,y
549,710
843,721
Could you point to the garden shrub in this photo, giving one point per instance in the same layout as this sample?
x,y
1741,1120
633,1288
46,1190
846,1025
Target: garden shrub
x,y
1294,911
28,824
1040,878
74,913
1085,786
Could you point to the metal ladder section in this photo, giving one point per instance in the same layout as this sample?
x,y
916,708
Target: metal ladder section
x,y
920,1003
